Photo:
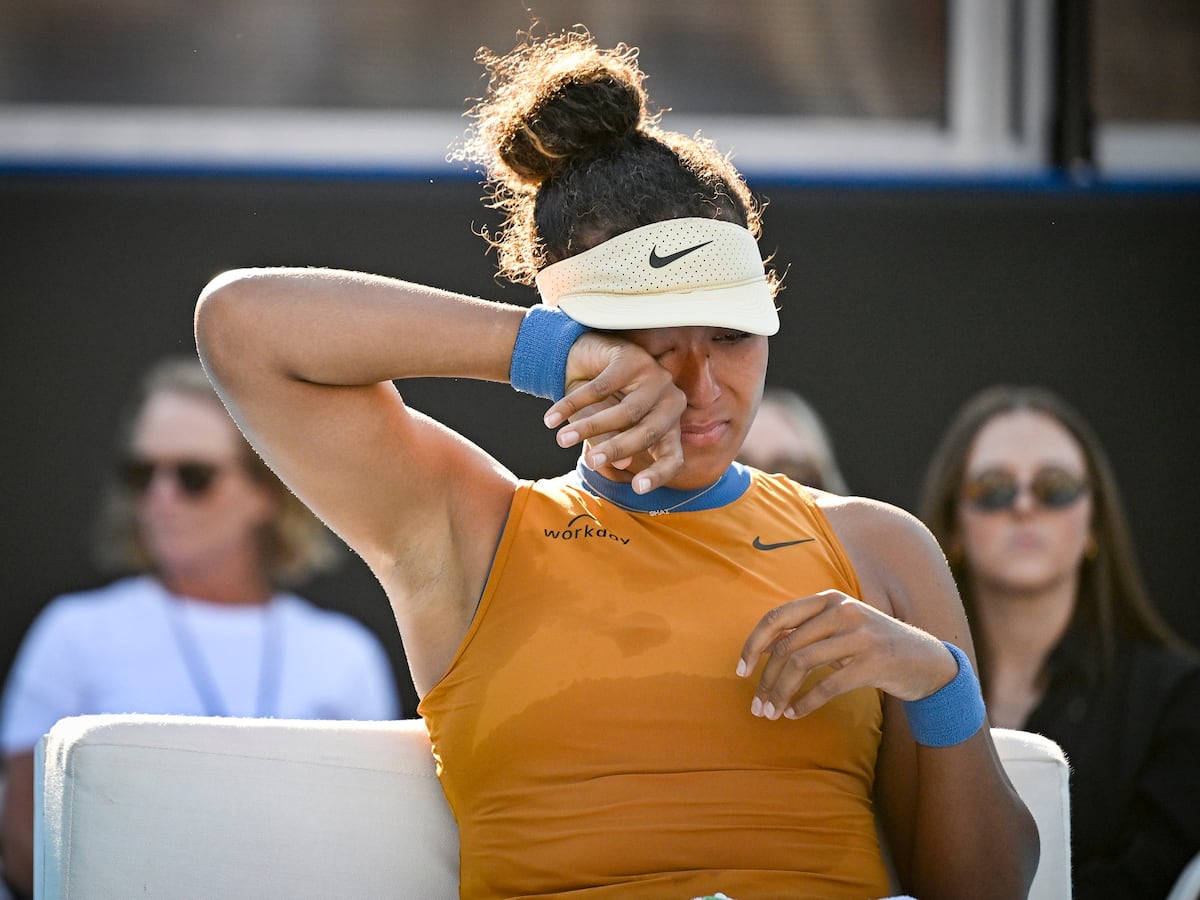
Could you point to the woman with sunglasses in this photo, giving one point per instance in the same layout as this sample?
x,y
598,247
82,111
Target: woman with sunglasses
x,y
207,538
1022,498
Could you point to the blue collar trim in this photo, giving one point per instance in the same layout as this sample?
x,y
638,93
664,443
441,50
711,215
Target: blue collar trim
x,y
730,486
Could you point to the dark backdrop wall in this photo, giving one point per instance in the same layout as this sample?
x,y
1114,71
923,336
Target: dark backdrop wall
x,y
900,302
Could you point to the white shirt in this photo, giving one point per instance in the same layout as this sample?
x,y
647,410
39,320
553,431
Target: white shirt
x,y
132,647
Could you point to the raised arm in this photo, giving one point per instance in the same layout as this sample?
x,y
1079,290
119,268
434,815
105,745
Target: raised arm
x,y
955,824
305,360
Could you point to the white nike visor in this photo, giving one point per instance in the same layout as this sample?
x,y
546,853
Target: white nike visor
x,y
692,271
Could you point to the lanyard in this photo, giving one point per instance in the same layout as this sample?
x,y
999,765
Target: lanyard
x,y
201,676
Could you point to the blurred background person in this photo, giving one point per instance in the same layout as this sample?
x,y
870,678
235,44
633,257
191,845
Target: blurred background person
x,y
1023,500
205,536
787,436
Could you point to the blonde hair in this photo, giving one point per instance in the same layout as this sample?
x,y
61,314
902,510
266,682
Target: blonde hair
x,y
294,545
805,420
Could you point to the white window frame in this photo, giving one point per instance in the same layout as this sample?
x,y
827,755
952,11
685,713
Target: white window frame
x,y
1147,151
997,124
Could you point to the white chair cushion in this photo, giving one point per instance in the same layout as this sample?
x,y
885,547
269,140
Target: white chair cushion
x,y
185,807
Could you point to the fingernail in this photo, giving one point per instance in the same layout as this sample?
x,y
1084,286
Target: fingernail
x,y
552,418
567,438
598,459
641,485
756,707
769,710
741,669
790,713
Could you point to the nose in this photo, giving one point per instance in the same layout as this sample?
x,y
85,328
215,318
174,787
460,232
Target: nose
x,y
697,379
1025,503
163,486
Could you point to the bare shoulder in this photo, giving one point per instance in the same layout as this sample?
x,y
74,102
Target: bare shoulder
x,y
900,566
881,527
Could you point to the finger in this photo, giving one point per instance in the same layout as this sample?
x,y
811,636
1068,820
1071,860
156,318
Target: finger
x,y
775,622
573,432
840,681
580,396
800,671
667,461
601,366
593,457
796,652
656,398
593,419
624,445
655,466
637,428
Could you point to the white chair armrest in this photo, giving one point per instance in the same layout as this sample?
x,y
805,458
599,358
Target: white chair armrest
x,y
1187,885
182,807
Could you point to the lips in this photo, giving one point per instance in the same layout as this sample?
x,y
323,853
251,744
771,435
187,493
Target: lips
x,y
1026,542
703,434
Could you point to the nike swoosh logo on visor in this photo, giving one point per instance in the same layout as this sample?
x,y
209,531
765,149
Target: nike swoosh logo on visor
x,y
657,262
759,545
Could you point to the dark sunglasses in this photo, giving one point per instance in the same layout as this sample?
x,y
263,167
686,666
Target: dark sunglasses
x,y
193,478
997,490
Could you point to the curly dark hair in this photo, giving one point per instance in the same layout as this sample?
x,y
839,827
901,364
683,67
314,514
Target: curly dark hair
x,y
574,157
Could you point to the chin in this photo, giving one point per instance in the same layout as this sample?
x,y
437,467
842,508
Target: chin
x,y
699,471
1028,582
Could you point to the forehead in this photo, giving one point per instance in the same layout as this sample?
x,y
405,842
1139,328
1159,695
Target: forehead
x,y
176,425
1024,439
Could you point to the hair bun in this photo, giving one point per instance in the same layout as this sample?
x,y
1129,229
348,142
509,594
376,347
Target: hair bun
x,y
553,100
573,158
581,116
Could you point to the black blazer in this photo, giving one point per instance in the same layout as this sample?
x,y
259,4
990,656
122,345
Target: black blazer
x,y
1133,743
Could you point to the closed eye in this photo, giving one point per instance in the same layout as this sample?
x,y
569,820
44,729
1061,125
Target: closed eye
x,y
731,337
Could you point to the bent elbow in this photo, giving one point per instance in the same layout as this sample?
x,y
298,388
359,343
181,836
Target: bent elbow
x,y
217,300
1013,863
219,310
1029,844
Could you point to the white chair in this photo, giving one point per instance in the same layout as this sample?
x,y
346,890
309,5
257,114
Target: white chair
x,y
183,807
1187,885
192,808
1038,770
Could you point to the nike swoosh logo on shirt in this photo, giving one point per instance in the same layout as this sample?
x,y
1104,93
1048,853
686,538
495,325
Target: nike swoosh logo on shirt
x,y
657,262
759,545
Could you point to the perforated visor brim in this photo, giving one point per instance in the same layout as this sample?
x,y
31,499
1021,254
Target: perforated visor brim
x,y
748,307
688,271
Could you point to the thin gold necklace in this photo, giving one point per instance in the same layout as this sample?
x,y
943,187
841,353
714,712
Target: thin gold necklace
x,y
648,512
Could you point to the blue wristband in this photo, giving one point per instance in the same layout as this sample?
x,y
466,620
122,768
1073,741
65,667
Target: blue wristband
x,y
539,357
951,714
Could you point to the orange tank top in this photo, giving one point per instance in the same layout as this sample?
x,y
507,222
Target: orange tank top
x,y
593,739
